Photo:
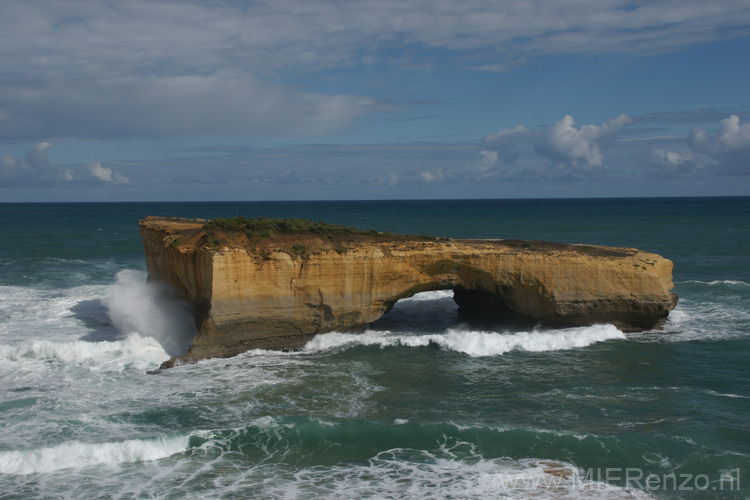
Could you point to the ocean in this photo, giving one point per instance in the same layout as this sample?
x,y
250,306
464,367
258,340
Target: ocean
x,y
418,406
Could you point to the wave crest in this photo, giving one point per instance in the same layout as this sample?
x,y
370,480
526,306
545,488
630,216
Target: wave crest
x,y
716,282
75,454
475,343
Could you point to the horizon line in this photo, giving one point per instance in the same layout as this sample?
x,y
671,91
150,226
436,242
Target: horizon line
x,y
380,200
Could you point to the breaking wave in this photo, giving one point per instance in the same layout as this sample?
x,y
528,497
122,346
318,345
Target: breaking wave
x,y
134,350
78,455
476,343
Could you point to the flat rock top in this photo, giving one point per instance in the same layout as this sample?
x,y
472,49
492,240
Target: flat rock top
x,y
300,237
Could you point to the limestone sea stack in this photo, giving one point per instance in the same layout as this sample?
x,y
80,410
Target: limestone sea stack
x,y
275,283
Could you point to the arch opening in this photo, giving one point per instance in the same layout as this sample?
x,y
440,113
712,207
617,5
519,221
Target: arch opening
x,y
423,312
484,309
439,310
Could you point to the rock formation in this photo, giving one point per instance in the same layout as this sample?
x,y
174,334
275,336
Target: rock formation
x,y
274,284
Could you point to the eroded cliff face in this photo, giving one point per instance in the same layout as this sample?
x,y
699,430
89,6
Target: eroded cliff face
x,y
246,295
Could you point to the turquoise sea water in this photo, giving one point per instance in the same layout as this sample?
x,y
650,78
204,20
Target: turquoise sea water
x,y
418,406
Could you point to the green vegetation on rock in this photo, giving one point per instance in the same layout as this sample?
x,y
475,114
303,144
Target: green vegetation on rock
x,y
267,228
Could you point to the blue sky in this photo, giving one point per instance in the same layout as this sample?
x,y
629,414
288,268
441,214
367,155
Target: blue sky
x,y
383,99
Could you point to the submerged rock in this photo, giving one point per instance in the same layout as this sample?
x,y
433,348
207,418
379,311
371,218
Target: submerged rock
x,y
273,284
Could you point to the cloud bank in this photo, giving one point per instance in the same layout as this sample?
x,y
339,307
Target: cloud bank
x,y
35,169
565,151
117,70
562,143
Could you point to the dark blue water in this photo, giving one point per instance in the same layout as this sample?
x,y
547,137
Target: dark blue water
x,y
417,407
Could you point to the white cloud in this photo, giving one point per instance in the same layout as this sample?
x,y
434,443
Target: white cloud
x,y
505,143
671,158
103,174
562,142
106,174
734,137
432,175
488,159
579,147
728,148
664,163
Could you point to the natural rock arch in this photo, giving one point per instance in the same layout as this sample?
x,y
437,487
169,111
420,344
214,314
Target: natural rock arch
x,y
275,296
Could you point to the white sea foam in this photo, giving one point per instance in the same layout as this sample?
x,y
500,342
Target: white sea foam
x,y
457,469
77,455
394,474
476,343
707,311
150,309
25,311
136,350
704,320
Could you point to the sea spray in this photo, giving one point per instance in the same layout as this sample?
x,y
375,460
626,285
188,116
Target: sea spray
x,y
151,309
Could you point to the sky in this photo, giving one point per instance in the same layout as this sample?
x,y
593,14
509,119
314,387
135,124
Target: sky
x,y
208,100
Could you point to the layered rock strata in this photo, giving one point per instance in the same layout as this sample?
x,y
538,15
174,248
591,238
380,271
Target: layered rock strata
x,y
277,292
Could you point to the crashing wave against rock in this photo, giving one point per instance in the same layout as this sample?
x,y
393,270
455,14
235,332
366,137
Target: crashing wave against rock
x,y
274,283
